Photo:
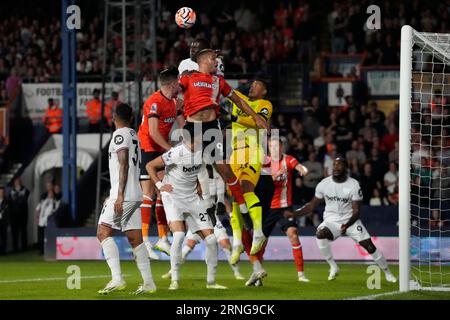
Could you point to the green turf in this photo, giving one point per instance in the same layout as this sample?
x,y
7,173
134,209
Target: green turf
x,y
281,282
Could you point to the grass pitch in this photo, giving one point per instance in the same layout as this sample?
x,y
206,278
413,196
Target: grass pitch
x,y
27,276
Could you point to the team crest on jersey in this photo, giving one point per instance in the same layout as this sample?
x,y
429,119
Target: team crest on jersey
x,y
154,108
264,111
118,139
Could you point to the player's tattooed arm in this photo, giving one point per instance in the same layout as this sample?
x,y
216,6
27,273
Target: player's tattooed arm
x,y
356,208
259,121
152,169
122,156
308,208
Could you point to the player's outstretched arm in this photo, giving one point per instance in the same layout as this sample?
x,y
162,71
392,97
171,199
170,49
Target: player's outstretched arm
x,y
308,208
260,123
301,169
122,157
152,169
153,128
356,208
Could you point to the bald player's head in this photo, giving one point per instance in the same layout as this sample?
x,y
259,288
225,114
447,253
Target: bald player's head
x,y
340,168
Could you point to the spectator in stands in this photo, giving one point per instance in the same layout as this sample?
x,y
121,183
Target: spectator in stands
x,y
319,141
313,177
93,111
18,201
328,160
393,198
53,118
389,139
391,178
49,186
377,199
58,192
344,135
368,183
356,153
436,222
13,82
393,155
338,23
110,106
4,220
379,166
243,17
44,210
368,131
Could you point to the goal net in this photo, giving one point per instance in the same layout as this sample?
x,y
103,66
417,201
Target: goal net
x,y
424,189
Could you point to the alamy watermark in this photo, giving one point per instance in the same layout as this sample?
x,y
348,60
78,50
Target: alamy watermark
x,y
374,280
74,279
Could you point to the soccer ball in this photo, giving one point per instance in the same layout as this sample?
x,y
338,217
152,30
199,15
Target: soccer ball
x,y
185,17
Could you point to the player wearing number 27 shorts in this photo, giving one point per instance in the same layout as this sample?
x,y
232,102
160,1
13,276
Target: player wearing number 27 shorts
x,y
184,207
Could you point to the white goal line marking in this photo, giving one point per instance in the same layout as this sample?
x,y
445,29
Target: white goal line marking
x,y
57,278
374,296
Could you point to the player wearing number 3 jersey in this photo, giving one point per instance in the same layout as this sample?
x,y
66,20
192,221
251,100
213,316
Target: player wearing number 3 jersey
x,y
122,209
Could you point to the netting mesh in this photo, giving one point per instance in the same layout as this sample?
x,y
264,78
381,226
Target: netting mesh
x,y
430,160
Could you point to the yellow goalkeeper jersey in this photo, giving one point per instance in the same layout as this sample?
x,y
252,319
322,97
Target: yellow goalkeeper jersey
x,y
245,133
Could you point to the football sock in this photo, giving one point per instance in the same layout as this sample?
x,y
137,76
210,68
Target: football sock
x,y
324,246
297,252
227,252
185,252
247,241
380,260
146,209
111,253
175,254
257,266
211,257
143,263
161,219
237,223
255,211
236,190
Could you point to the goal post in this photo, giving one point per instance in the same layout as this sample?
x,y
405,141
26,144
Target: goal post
x,y
404,212
424,161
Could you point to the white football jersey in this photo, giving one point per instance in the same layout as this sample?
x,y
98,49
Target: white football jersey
x,y
182,169
338,198
187,65
190,65
125,138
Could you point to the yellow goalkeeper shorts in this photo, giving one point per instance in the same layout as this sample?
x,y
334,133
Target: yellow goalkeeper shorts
x,y
246,166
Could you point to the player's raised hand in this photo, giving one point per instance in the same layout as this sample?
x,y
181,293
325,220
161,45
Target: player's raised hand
x,y
118,206
166,188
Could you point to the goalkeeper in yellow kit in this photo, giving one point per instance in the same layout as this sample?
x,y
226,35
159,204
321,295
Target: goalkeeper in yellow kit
x,y
246,162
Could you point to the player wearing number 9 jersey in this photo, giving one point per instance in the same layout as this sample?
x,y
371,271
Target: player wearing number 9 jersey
x,y
343,197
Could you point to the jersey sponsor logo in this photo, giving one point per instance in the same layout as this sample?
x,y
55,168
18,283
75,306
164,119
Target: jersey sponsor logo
x,y
169,120
205,85
118,139
264,111
154,108
191,169
339,199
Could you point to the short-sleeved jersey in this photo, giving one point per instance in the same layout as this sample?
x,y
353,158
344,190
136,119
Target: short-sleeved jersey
x,y
282,196
125,138
187,65
182,168
245,122
338,197
158,106
202,90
